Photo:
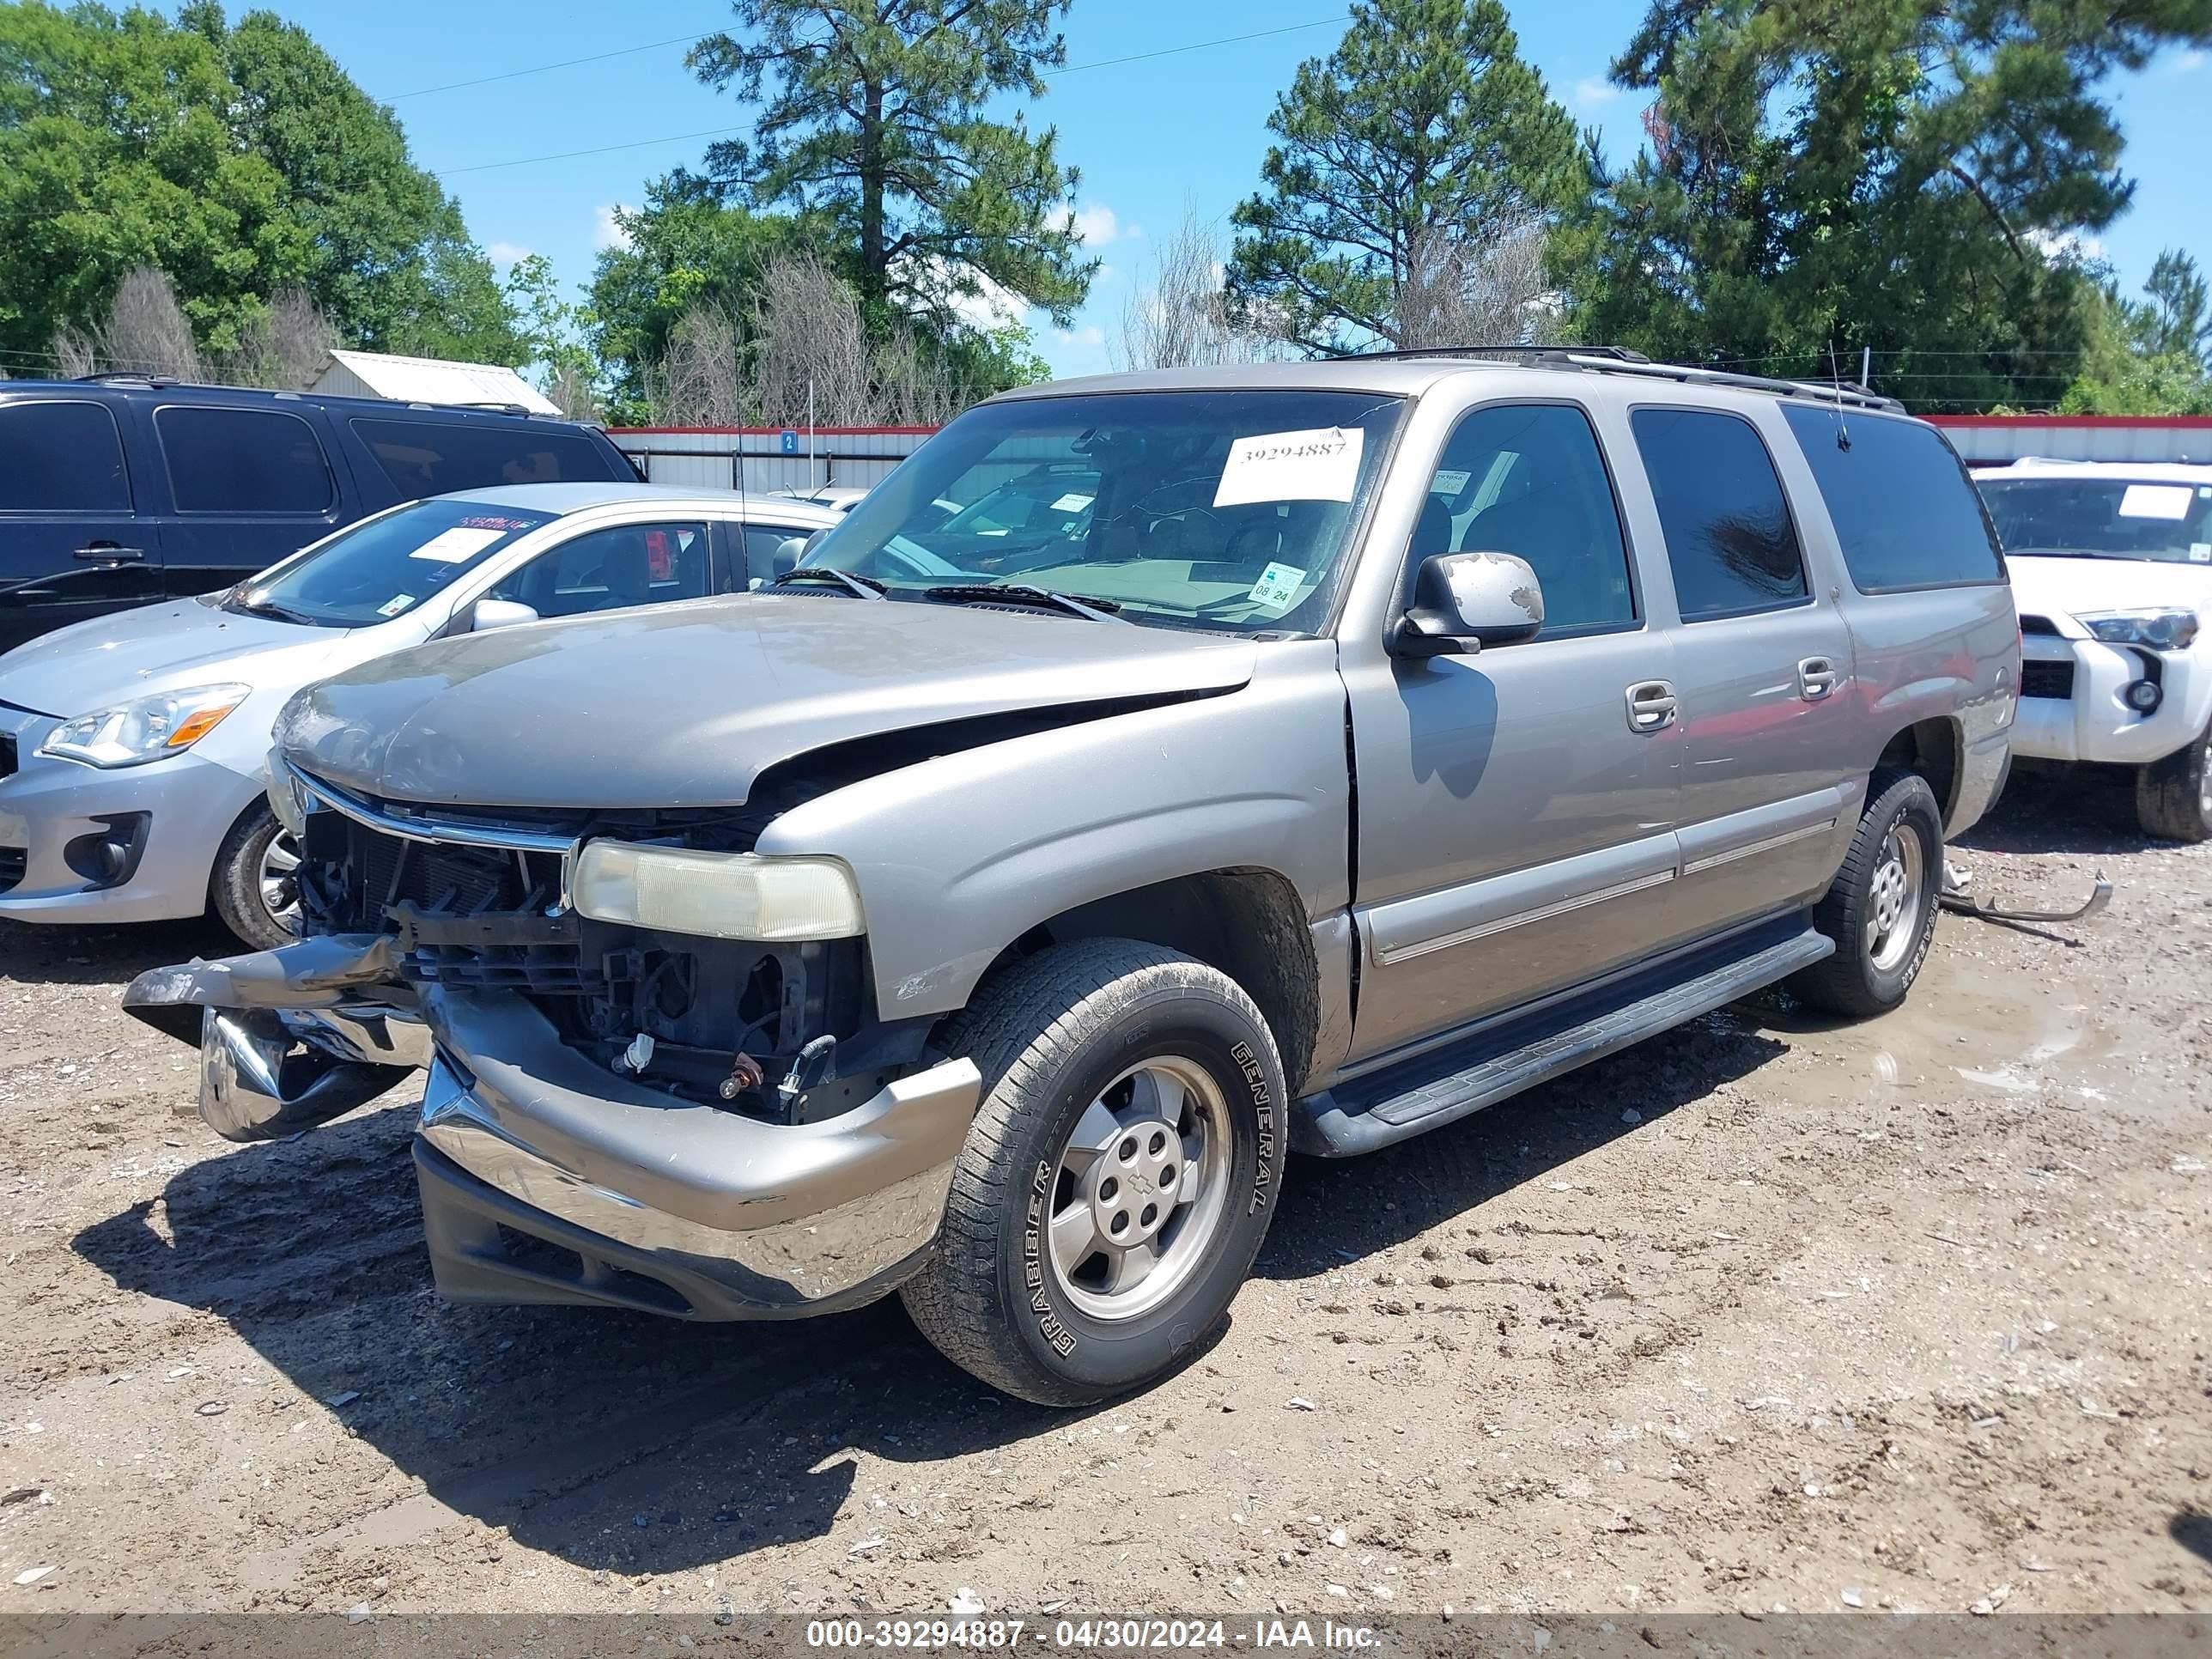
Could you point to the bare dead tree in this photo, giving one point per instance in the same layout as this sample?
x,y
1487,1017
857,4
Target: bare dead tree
x,y
1485,287
145,330
74,354
285,348
1181,319
570,391
809,346
701,379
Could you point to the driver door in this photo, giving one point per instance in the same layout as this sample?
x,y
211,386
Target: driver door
x,y
1515,818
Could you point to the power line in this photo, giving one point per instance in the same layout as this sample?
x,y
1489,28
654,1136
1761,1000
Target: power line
x,y
719,132
565,63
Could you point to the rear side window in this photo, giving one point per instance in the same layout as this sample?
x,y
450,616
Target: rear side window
x,y
1729,538
433,457
243,460
61,458
1906,513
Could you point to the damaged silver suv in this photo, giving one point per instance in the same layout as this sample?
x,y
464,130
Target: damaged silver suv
x,y
1302,755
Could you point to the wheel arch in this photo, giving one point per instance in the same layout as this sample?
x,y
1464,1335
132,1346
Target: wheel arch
x,y
1933,750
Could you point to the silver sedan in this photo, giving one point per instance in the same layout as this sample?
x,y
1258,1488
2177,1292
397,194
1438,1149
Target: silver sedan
x,y
132,746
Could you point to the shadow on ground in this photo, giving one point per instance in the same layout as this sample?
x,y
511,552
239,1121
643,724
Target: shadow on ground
x,y
644,1445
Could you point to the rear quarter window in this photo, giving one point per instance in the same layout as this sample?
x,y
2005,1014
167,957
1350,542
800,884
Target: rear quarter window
x,y
1906,514
61,457
435,458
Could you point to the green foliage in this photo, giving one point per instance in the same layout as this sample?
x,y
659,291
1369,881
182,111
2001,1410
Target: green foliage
x,y
1834,174
690,245
873,122
2145,359
1423,122
238,160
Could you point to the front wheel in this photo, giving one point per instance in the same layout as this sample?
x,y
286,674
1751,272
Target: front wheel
x,y
1118,1180
2174,796
256,881
1880,910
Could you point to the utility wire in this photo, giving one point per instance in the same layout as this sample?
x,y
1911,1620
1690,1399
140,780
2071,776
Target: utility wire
x,y
565,63
721,132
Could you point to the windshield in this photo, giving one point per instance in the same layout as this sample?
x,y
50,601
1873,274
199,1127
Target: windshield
x,y
2111,518
387,566
1220,510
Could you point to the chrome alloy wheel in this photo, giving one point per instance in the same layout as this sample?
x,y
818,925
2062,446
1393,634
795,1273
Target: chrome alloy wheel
x,y
1894,899
278,881
1141,1190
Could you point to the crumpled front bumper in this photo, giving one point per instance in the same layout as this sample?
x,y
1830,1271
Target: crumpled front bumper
x,y
546,1179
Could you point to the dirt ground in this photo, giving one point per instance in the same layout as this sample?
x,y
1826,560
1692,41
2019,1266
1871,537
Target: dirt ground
x,y
1765,1314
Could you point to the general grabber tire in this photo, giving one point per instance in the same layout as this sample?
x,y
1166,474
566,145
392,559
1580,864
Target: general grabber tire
x,y
1119,1178
2174,796
1880,910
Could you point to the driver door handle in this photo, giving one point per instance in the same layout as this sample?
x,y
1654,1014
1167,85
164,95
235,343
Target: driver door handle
x,y
1651,706
107,551
1817,678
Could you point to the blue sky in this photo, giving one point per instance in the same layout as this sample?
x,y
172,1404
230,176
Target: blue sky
x,y
1153,138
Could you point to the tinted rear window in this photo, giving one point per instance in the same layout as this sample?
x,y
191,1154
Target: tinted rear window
x,y
61,458
1905,512
433,457
1731,541
242,461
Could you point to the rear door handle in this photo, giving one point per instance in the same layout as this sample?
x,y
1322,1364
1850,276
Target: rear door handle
x,y
1817,678
108,552
1651,706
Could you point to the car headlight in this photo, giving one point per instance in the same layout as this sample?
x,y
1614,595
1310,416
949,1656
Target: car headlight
x,y
2168,628
719,894
286,799
145,728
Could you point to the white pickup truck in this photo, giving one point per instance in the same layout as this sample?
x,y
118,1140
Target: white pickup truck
x,y
2111,569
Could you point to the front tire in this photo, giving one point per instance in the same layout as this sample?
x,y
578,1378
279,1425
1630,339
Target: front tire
x,y
2174,796
1118,1180
1880,908
255,885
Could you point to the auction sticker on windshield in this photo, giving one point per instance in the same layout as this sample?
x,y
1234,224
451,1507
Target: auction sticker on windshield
x,y
460,544
2155,501
1277,587
1321,464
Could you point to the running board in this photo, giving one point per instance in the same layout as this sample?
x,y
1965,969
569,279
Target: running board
x,y
1425,1093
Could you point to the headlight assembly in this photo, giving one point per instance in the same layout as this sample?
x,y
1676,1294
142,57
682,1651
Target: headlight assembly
x,y
145,728
2169,627
719,894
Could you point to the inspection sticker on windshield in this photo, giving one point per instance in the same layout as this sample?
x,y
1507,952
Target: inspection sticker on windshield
x,y
2155,501
395,605
2200,552
466,542
1317,465
1277,587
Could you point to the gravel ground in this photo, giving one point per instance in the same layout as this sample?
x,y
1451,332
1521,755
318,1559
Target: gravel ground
x,y
1765,1313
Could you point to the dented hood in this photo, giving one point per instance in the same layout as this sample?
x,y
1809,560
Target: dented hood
x,y
687,705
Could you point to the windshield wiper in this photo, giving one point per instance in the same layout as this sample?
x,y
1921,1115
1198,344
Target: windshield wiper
x,y
249,604
1021,593
866,588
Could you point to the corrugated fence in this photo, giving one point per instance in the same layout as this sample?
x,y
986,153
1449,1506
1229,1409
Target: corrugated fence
x,y
768,457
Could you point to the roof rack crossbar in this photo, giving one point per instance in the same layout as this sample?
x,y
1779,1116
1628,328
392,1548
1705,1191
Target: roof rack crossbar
x,y
1514,352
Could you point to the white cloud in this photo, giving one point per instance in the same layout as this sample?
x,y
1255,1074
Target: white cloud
x,y
1084,334
1593,90
507,253
2065,247
1097,225
606,229
2191,60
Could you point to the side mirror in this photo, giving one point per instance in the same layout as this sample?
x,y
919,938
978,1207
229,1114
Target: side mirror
x,y
500,613
788,553
1465,601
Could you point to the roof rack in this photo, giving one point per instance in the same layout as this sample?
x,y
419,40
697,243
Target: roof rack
x,y
124,377
1619,359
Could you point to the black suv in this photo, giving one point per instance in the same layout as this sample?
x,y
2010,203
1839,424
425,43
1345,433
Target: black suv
x,y
120,491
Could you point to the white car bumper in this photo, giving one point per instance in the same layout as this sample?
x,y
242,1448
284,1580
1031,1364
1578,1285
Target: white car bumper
x,y
2074,700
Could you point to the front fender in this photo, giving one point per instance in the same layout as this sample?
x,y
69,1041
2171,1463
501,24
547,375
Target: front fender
x,y
958,856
